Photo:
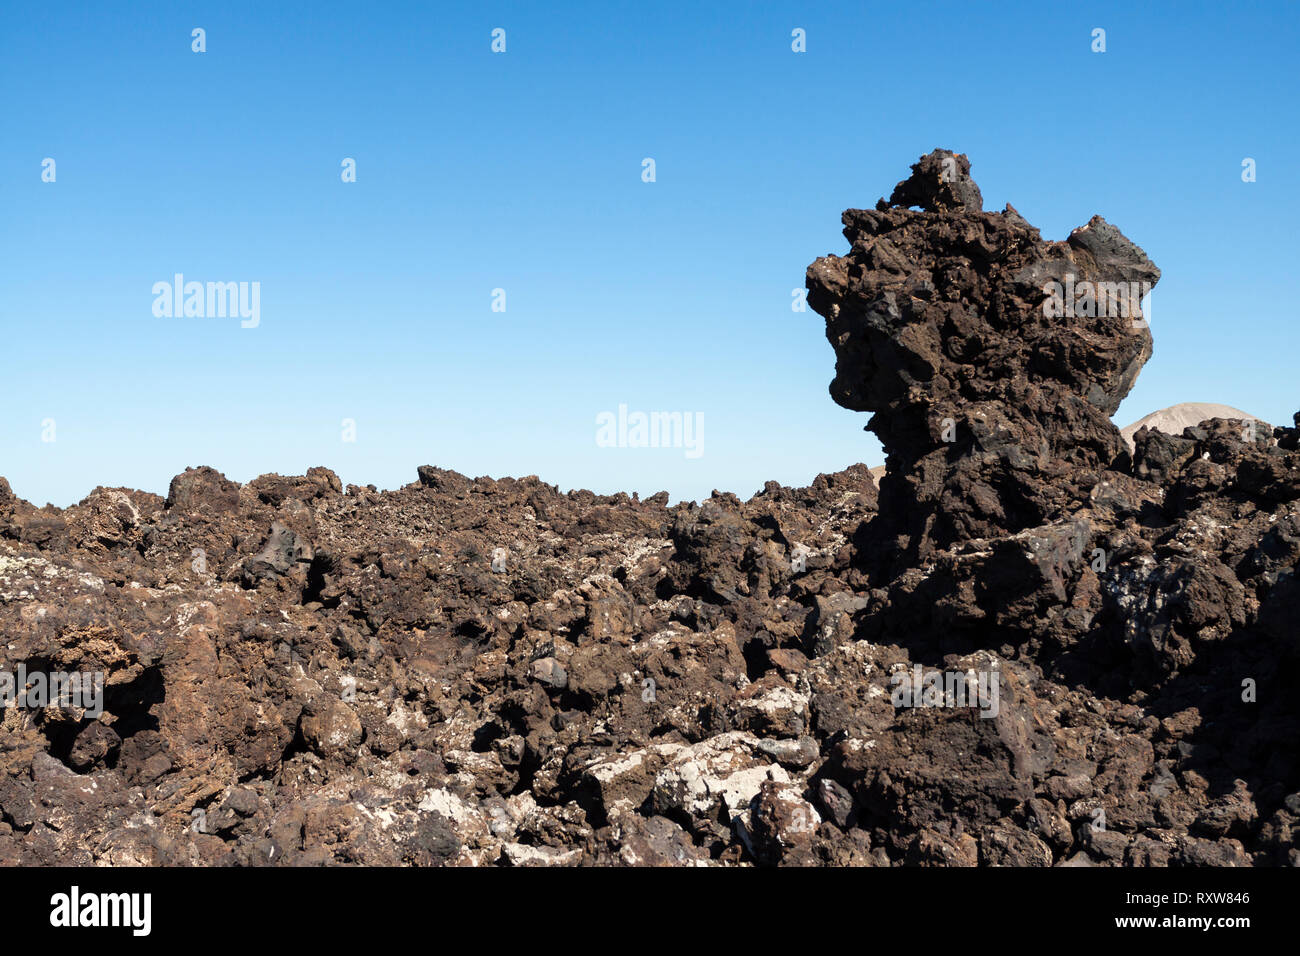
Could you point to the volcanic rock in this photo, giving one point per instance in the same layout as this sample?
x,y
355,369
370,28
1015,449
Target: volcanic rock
x,y
1031,645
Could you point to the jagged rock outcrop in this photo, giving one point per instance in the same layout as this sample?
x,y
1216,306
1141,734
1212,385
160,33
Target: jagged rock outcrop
x,y
988,401
1011,516
1029,646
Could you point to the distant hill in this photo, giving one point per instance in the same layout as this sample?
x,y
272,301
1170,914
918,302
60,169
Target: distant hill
x,y
1175,418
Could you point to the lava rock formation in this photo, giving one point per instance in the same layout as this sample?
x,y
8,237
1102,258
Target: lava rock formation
x,y
489,672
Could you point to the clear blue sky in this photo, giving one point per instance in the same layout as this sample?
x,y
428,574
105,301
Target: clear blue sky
x,y
522,171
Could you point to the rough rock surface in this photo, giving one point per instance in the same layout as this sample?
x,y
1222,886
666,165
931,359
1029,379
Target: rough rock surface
x,y
488,672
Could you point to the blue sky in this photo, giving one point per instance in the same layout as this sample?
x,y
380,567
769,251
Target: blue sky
x,y
523,171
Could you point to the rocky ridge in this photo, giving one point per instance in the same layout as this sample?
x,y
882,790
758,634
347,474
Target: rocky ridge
x,y
489,672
